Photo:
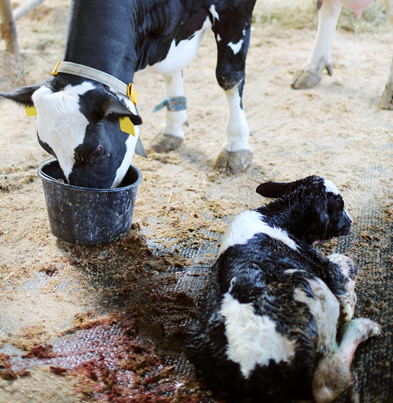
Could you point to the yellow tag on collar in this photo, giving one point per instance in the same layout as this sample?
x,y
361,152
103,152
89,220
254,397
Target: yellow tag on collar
x,y
132,93
31,110
127,126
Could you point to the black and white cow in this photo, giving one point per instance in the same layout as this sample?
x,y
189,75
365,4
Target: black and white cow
x,y
268,319
320,57
78,117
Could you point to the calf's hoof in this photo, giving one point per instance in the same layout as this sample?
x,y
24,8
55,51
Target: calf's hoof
x,y
387,99
165,142
359,330
306,79
234,161
347,308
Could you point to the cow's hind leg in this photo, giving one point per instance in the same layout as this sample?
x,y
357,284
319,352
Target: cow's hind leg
x,y
387,96
320,57
232,46
332,376
171,134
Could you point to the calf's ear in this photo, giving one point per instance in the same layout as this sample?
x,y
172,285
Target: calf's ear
x,y
22,95
112,106
273,189
278,189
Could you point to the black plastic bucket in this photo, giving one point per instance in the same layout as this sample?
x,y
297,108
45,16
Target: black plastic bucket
x,y
88,216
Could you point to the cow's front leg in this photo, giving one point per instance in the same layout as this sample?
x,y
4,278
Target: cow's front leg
x,y
236,154
171,134
320,58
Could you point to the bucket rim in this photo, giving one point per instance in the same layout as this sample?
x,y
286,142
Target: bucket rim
x,y
47,178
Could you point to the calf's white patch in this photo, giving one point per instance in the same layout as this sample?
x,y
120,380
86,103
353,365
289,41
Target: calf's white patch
x,y
252,339
246,225
330,186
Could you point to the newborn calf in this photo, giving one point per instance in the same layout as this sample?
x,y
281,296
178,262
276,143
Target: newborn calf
x,y
268,320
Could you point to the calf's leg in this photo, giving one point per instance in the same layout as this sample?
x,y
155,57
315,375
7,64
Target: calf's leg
x,y
320,57
332,376
348,299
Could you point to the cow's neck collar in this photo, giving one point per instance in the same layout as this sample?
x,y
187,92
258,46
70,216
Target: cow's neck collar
x,y
97,75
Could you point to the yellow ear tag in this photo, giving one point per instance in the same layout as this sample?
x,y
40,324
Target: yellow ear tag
x,y
127,126
31,110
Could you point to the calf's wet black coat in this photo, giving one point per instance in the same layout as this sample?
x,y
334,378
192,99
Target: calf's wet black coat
x,y
265,272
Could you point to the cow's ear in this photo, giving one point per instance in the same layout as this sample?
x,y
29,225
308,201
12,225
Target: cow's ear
x,y
273,189
22,95
112,106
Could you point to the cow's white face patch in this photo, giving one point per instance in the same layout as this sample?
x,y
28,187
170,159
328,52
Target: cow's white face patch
x,y
130,145
246,225
60,123
326,310
253,339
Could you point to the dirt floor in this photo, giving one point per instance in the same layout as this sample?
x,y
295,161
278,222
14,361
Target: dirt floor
x,y
107,323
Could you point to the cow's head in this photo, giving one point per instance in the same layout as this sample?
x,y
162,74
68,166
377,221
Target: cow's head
x,y
79,125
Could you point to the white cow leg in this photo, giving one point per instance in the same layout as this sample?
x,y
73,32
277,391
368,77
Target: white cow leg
x,y
320,58
333,376
387,96
236,154
171,134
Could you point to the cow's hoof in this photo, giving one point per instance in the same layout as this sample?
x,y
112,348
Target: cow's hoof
x,y
233,162
387,99
306,79
163,143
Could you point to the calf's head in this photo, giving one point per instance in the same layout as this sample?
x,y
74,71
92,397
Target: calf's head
x,y
312,208
79,125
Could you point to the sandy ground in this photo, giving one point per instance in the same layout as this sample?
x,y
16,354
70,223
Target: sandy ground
x,y
335,130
